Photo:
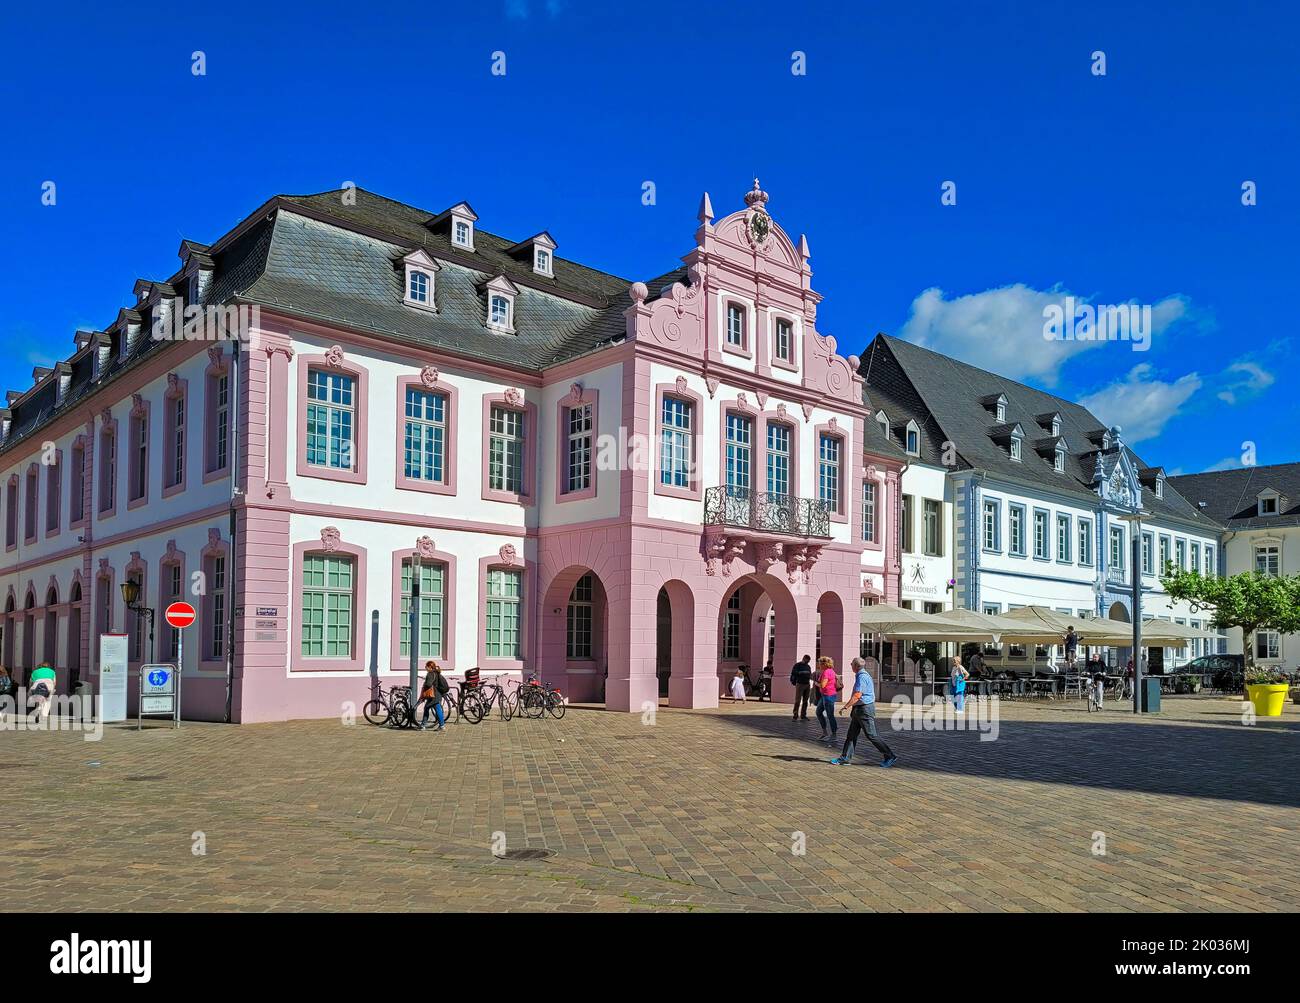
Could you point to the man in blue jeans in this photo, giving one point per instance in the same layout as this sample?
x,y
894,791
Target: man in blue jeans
x,y
862,717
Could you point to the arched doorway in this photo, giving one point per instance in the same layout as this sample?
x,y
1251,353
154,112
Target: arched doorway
x,y
29,635
830,631
757,623
8,644
50,644
674,635
72,653
1119,656
575,634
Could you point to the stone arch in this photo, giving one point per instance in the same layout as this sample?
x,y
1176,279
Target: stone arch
x,y
580,678
678,638
831,634
763,594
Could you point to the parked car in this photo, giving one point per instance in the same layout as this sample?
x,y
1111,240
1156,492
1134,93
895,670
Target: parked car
x,y
1226,673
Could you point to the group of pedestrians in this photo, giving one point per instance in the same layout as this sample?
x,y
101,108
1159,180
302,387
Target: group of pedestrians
x,y
821,687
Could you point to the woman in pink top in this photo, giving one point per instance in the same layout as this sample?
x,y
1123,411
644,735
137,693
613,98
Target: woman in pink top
x,y
828,685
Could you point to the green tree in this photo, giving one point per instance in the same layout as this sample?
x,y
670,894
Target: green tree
x,y
1249,601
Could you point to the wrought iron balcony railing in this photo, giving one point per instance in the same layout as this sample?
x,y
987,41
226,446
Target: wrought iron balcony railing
x,y
765,512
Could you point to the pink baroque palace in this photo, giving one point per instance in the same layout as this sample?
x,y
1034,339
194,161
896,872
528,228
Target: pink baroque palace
x,y
630,487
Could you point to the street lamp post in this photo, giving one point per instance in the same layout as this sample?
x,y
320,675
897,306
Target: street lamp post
x,y
1134,519
131,597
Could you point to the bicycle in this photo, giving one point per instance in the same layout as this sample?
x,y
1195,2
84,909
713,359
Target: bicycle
x,y
379,708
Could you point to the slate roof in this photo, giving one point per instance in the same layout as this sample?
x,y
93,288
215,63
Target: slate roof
x,y
947,399
1230,496
317,258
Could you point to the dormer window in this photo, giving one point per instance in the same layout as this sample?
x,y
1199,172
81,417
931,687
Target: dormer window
x,y
883,422
1160,486
462,234
912,439
1000,409
1058,460
1056,426
996,404
542,261
458,223
420,271
538,249
1268,504
501,294
1015,448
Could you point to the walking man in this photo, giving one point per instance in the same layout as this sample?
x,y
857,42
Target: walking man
x,y
801,678
862,717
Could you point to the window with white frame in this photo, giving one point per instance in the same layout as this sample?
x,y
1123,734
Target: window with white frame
x,y
740,430
503,620
1063,537
419,287
912,439
219,432
778,458
869,511
905,526
331,419
53,494
1268,505
107,468
1268,559
462,233
932,527
214,639
577,466
1196,556
1015,447
581,619
1117,547
1148,554
1000,409
176,441
1042,541
328,581
499,312
992,525
1165,544
675,453
433,599
506,449
828,472
784,336
735,325
1058,461
1180,553
1085,542
1056,425
172,586
1016,530
541,261
1268,644
731,628
424,436
1211,568
139,458
883,422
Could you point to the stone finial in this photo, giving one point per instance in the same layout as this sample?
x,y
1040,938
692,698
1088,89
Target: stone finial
x,y
638,292
756,198
705,215
804,252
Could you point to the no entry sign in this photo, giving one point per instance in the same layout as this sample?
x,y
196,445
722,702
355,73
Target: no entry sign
x,y
179,614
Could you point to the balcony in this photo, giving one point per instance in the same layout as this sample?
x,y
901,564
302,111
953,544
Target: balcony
x,y
761,512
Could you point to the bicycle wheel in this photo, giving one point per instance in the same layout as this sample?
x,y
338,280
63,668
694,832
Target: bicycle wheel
x,y
376,712
399,714
507,711
473,708
555,704
534,705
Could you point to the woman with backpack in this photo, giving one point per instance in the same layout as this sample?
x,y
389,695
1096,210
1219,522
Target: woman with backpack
x,y
434,689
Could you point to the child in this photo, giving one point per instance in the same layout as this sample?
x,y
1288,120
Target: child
x,y
738,686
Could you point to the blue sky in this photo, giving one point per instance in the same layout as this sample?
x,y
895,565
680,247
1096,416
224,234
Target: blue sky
x,y
1118,188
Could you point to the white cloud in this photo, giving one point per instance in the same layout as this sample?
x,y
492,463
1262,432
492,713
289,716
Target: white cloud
x,y
1227,463
1244,379
1140,403
1002,329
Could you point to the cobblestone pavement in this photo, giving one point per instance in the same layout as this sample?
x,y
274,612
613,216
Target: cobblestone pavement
x,y
700,810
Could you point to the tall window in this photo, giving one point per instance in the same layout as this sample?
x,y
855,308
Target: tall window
x,y
504,591
740,433
1042,543
1063,542
784,340
506,450
778,458
1085,542
869,511
1164,553
577,470
139,458
53,495
1268,644
29,505
433,595
1117,547
327,584
135,627
912,442
1016,530
424,438
735,325
1268,560
331,419
107,469
1196,556
992,525
828,472
932,526
176,442
77,486
905,526
172,585
219,432
580,619
675,459
1211,569
1180,553
1148,554
731,627
215,641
